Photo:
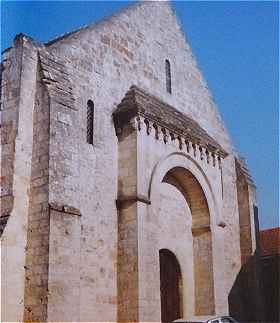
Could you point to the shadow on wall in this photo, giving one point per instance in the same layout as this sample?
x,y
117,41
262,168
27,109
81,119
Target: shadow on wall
x,y
247,298
271,287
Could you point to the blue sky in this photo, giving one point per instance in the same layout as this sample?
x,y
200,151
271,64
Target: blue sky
x,y
237,47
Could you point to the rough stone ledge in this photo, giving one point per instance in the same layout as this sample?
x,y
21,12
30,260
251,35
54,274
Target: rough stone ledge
x,y
64,209
126,200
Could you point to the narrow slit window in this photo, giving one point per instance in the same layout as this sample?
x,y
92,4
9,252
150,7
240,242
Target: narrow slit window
x,y
90,121
168,76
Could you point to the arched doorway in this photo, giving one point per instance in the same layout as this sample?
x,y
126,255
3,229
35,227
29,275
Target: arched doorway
x,y
170,286
185,182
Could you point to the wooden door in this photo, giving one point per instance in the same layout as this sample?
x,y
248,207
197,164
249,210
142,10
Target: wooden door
x,y
170,285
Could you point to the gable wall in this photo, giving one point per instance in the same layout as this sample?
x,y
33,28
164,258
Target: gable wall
x,y
105,61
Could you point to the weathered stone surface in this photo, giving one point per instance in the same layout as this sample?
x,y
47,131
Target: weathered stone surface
x,y
167,179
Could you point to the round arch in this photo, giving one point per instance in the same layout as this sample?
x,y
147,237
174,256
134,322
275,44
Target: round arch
x,y
180,160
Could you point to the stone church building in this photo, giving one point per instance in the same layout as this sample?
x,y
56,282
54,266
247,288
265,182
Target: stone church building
x,y
122,196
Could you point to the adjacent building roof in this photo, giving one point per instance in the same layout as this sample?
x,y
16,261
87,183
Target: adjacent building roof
x,y
270,241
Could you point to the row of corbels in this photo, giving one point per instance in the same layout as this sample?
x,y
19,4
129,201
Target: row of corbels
x,y
196,149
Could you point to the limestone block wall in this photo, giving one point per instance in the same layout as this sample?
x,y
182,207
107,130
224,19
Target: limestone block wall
x,y
37,247
162,157
9,83
130,49
65,230
40,112
9,100
155,154
175,232
168,228
127,261
18,103
64,270
64,210
106,59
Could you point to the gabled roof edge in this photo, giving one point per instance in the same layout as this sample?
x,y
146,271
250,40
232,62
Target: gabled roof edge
x,y
131,6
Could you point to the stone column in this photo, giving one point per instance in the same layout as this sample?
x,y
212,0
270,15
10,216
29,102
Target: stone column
x,y
127,204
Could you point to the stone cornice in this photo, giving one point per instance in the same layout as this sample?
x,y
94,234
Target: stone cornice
x,y
64,209
125,200
165,120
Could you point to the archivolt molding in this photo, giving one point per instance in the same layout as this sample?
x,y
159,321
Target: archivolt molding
x,y
182,160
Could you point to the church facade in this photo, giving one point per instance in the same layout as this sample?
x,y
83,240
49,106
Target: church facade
x,y
122,196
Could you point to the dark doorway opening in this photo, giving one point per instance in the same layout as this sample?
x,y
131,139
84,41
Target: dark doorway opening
x,y
170,286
